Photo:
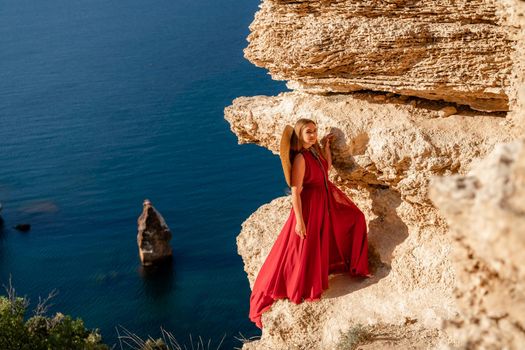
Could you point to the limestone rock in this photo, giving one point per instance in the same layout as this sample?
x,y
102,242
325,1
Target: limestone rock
x,y
447,111
153,236
485,210
438,284
388,143
460,51
384,154
515,10
413,281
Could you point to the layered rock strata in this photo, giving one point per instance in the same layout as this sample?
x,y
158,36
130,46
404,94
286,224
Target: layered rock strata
x,y
485,210
458,51
441,278
515,14
381,140
385,151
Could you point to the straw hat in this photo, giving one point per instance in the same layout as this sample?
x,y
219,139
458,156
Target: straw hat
x,y
284,153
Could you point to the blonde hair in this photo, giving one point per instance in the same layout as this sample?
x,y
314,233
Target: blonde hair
x,y
296,141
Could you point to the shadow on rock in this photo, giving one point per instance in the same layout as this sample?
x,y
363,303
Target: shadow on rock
x,y
343,284
385,232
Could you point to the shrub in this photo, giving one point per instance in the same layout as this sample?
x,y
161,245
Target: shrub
x,y
61,332
40,332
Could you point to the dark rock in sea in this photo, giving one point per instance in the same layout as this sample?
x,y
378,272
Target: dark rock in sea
x,y
23,227
153,236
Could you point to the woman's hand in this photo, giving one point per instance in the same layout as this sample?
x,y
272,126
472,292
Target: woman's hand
x,y
325,141
300,229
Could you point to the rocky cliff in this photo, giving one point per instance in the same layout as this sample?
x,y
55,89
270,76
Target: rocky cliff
x,y
486,213
458,51
418,94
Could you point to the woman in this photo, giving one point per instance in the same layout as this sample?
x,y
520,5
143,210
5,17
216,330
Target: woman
x,y
325,231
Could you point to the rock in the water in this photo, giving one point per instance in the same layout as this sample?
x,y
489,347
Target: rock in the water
x,y
153,236
23,227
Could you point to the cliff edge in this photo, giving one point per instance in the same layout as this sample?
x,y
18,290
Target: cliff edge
x,y
418,93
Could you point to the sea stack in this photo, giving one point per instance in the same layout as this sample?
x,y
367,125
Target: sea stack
x,y
153,236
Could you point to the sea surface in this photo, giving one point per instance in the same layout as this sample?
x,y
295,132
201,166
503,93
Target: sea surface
x,y
103,104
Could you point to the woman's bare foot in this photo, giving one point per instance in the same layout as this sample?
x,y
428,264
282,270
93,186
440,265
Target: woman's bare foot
x,y
368,275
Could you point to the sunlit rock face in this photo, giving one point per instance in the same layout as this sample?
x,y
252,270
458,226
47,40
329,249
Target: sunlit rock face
x,y
457,51
381,140
485,210
431,151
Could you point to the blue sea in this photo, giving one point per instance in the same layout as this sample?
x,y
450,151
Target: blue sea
x,y
106,103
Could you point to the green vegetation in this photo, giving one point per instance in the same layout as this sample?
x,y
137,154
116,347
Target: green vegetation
x,y
40,332
61,332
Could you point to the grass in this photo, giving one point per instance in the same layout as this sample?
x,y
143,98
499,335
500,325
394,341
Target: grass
x,y
129,340
355,336
245,340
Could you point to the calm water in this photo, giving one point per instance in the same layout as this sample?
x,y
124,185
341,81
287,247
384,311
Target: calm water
x,y
105,103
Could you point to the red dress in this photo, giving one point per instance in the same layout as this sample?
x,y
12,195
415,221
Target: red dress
x,y
336,241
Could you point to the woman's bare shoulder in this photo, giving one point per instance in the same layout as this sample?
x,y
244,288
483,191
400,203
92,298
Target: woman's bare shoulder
x,y
299,155
299,158
299,164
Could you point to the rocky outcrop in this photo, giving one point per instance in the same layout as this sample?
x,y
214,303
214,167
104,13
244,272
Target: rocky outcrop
x,y
435,279
458,51
515,11
413,279
381,140
386,150
153,236
485,210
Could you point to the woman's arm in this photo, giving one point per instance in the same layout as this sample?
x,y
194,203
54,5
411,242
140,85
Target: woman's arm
x,y
326,149
298,169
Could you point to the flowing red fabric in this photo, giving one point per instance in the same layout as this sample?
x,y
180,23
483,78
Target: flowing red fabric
x,y
336,241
